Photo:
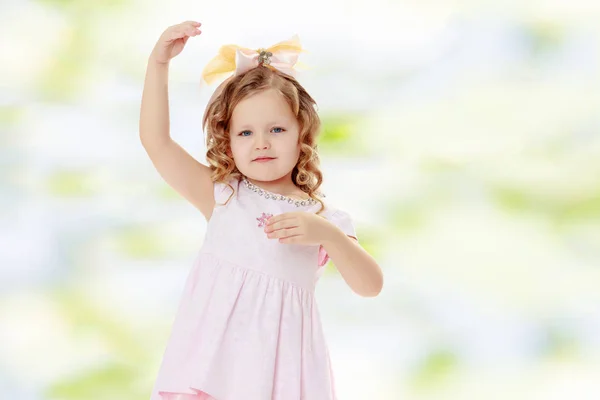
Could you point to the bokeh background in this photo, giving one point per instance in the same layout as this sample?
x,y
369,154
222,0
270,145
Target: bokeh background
x,y
463,137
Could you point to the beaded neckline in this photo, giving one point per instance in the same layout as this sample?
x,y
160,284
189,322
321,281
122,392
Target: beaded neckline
x,y
279,197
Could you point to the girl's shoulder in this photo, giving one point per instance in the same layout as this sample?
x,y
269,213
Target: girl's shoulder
x,y
340,218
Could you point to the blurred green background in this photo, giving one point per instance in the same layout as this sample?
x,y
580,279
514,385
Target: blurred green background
x,y
462,136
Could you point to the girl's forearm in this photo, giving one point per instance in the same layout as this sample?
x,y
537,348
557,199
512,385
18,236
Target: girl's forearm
x,y
154,113
360,271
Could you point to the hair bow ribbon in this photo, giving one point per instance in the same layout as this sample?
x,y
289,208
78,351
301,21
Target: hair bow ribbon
x,y
282,56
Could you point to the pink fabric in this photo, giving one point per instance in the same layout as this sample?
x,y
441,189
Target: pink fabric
x,y
246,59
247,326
180,396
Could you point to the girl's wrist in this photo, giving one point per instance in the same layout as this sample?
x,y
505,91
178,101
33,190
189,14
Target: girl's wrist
x,y
152,60
333,235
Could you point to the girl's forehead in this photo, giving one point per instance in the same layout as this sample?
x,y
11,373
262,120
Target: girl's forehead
x,y
271,96
262,108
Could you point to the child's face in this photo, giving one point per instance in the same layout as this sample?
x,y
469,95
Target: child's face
x,y
263,125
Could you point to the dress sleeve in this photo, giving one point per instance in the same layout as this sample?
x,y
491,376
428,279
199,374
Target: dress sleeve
x,y
342,220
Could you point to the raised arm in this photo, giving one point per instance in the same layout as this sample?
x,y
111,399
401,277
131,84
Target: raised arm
x,y
178,168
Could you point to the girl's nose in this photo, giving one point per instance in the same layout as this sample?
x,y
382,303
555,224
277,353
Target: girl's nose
x,y
262,142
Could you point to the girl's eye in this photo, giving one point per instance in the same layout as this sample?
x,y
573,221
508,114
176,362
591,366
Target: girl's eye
x,y
247,133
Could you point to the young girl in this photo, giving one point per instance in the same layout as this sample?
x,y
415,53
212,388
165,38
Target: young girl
x,y
247,326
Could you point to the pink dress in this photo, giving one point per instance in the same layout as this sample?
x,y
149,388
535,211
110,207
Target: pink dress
x,y
247,326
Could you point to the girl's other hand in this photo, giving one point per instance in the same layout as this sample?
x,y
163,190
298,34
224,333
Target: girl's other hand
x,y
172,41
300,228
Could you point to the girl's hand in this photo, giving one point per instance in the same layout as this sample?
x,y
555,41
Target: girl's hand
x,y
172,41
300,228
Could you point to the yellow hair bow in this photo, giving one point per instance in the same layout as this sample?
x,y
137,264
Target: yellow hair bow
x,y
232,58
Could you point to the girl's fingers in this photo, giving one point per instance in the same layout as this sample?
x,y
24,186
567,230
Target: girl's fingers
x,y
281,224
283,233
290,239
188,29
183,30
182,33
189,25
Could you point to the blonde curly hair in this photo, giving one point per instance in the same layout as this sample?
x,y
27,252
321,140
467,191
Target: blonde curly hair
x,y
306,175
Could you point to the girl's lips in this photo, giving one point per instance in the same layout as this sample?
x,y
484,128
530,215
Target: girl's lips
x,y
264,159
